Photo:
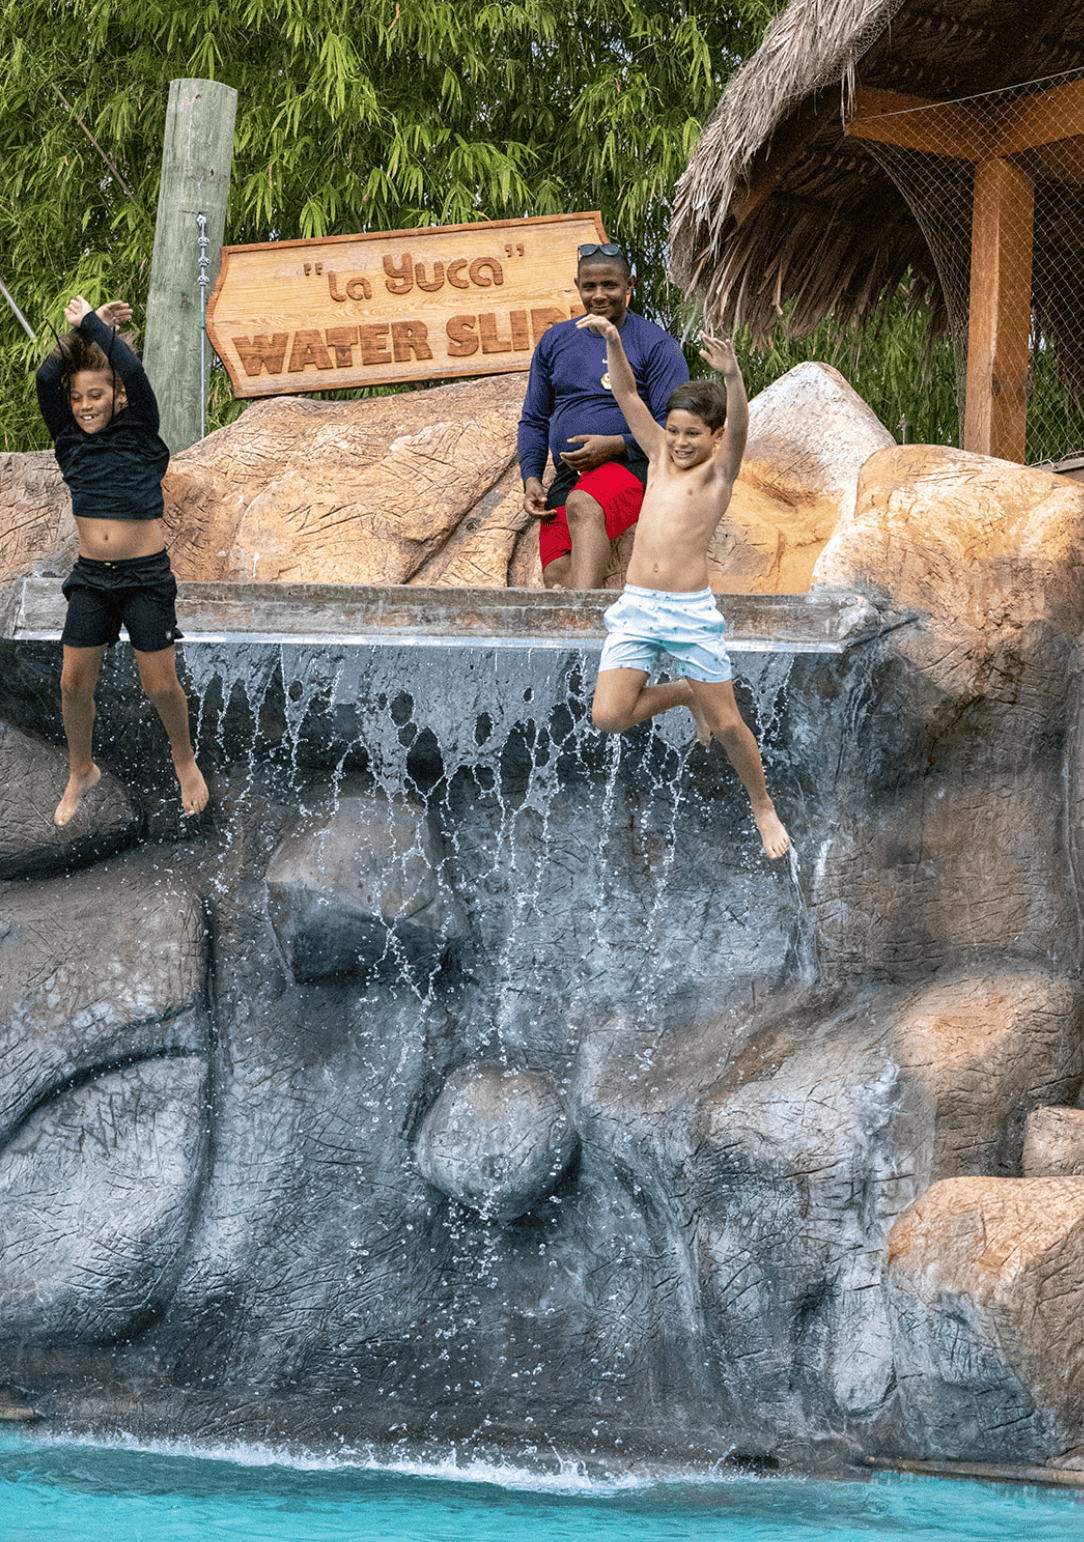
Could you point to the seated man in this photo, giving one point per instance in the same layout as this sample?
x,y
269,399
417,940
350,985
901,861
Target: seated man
x,y
569,410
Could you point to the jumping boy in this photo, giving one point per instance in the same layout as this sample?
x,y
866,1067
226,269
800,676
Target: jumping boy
x,y
667,605
101,411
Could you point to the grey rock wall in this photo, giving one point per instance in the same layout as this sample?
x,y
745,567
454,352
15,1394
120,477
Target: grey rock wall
x,y
465,1076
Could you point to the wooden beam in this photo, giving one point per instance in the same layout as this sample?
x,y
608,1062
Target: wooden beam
x,y
1032,121
1063,160
995,415
914,123
749,202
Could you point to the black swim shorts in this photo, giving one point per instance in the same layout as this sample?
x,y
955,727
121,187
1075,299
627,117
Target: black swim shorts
x,y
138,592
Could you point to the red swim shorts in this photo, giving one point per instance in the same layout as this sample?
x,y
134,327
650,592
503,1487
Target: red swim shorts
x,y
615,488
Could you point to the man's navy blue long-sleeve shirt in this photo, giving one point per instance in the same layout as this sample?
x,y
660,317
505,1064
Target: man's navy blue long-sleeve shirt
x,y
568,390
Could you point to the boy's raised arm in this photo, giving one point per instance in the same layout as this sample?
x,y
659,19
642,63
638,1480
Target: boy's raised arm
x,y
719,353
650,437
100,325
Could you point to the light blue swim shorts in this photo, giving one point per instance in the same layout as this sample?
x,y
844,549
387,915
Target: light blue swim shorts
x,y
645,624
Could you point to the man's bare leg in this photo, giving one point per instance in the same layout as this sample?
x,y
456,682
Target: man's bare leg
x,y
158,676
558,573
590,555
720,711
78,677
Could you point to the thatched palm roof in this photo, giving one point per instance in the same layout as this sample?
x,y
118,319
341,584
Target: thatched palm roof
x,y
779,205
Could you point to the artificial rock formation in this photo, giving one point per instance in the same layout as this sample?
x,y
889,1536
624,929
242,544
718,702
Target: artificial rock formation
x,y
496,1139
362,888
33,776
466,1075
987,1294
104,1049
423,487
1054,1143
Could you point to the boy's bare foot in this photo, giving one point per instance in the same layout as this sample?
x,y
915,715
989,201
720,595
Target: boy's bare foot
x,y
775,838
703,732
73,794
194,794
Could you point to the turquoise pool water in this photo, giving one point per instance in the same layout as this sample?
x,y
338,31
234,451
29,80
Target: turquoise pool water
x,y
73,1492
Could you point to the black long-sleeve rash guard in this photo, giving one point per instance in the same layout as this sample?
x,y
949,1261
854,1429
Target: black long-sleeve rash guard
x,y
116,473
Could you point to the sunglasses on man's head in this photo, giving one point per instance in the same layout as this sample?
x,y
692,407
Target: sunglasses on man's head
x,y
606,248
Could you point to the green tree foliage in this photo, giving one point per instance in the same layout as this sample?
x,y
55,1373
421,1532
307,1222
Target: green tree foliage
x,y
386,114
910,384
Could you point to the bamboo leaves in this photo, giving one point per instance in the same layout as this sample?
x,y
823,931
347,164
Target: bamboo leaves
x,y
383,115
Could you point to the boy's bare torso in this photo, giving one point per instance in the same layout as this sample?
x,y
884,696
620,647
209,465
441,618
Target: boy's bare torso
x,y
681,510
117,540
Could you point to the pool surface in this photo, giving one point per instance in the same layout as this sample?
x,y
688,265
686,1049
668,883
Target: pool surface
x,y
68,1491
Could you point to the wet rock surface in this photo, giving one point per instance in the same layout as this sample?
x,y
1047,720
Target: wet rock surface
x,y
804,1095
33,776
497,1140
104,1123
362,890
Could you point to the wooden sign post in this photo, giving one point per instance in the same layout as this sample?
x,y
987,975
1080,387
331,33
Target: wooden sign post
x,y
432,304
196,157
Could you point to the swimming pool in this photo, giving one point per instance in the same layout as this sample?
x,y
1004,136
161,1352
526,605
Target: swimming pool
x,y
70,1491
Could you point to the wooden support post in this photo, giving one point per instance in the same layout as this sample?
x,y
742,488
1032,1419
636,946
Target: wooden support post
x,y
995,417
196,155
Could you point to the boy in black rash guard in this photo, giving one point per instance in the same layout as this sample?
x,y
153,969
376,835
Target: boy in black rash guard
x,y
101,411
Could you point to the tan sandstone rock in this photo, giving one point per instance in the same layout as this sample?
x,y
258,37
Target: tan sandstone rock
x,y
986,1277
423,487
809,435
346,492
1054,1143
35,513
986,1050
975,543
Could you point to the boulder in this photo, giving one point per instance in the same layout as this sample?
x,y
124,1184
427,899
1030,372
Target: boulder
x,y
33,776
116,1159
363,887
1054,1143
980,546
809,435
986,1281
496,1139
363,492
986,1050
104,1055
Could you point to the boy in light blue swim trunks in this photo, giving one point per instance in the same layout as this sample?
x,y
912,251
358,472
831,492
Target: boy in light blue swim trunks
x,y
667,606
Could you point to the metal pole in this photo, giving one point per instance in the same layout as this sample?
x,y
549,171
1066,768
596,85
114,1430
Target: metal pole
x,y
27,328
203,280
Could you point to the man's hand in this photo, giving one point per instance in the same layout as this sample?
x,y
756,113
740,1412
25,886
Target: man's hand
x,y
594,449
600,324
75,310
534,498
719,353
115,312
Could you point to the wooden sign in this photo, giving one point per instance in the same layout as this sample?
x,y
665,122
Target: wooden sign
x,y
441,302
